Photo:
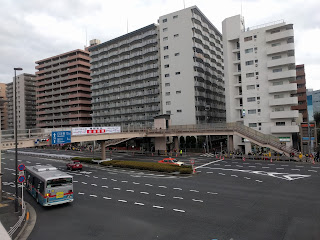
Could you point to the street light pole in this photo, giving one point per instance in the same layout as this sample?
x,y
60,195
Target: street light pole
x,y
16,203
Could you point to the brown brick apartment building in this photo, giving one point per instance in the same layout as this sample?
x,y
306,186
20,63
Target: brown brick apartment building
x,y
301,92
63,90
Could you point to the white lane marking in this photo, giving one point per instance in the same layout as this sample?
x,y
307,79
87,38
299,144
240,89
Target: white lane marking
x,y
192,190
295,169
91,195
87,175
315,167
299,166
209,172
155,206
112,173
135,183
247,178
212,193
13,173
258,163
234,176
13,159
130,190
280,168
222,174
114,180
178,198
160,195
93,184
227,165
104,178
217,164
176,188
75,181
147,184
252,166
162,186
108,198
138,203
178,210
208,163
116,188
258,181
84,183
271,164
2,158
80,193
144,192
95,177
284,165
312,171
105,186
124,181
197,200
120,200
239,166
3,163
38,163
265,167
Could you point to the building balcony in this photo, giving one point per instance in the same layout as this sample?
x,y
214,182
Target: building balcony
x,y
300,106
284,114
280,49
302,90
280,35
291,87
281,75
281,62
285,129
284,101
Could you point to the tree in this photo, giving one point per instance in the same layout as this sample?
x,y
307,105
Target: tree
x,y
316,117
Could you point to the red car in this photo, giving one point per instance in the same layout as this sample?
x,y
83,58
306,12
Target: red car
x,y
74,165
172,161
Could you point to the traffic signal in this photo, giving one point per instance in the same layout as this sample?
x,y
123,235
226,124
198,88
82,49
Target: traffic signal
x,y
44,140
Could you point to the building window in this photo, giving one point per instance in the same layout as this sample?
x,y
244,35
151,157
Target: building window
x,y
164,20
275,44
166,66
259,110
255,36
277,83
277,70
276,96
246,39
249,62
280,123
279,109
250,87
276,57
252,111
249,50
165,47
168,103
252,124
177,54
249,75
168,112
167,84
165,29
178,92
177,73
167,75
165,38
275,31
176,35
166,56
179,110
251,99
167,93
175,16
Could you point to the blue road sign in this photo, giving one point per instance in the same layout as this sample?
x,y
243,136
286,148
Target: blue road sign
x,y
21,179
61,137
21,167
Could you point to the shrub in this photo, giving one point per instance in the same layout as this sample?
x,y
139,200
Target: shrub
x,y
184,170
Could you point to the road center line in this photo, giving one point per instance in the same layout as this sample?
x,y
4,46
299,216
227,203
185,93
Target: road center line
x,y
312,171
120,200
208,164
247,178
160,195
144,192
178,198
130,190
295,169
104,178
84,183
197,200
177,189
259,181
108,198
162,186
138,203
192,190
135,183
147,184
155,206
222,174
115,188
93,184
80,193
212,193
124,181
178,210
93,195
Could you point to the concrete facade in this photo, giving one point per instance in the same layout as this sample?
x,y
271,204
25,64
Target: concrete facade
x,y
301,92
26,102
315,99
260,78
63,90
3,106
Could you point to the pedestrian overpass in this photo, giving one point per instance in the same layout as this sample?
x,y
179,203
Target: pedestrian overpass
x,y
27,138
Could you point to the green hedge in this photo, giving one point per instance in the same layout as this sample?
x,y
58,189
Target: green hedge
x,y
83,159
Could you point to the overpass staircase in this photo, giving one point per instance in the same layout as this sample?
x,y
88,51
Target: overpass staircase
x,y
113,142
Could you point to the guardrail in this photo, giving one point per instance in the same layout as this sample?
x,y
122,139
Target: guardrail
x,y
21,218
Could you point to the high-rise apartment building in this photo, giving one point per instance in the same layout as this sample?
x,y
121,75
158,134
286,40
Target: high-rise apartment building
x,y
175,67
3,107
301,92
260,78
26,101
63,90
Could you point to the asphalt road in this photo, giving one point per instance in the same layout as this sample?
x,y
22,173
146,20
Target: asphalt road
x,y
225,200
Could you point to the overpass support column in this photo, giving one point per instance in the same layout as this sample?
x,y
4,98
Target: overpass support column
x,y
230,143
103,150
160,145
176,143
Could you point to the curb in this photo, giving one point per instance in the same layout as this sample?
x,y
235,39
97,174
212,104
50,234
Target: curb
x,y
31,218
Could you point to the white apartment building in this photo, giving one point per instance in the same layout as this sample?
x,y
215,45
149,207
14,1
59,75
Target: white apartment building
x,y
191,56
259,73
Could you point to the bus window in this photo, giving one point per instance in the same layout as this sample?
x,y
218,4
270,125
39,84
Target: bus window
x,y
59,182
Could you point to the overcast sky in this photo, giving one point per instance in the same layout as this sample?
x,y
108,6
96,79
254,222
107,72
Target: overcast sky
x,y
32,30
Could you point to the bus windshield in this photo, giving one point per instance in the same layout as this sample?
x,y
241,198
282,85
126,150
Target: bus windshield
x,y
59,182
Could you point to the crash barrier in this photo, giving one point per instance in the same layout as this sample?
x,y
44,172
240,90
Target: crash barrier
x,y
49,155
21,218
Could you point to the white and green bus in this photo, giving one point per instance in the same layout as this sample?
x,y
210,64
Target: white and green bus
x,y
48,185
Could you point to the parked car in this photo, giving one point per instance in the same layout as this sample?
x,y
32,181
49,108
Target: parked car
x,y
172,161
74,165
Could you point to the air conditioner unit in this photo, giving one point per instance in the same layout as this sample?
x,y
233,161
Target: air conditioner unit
x,y
257,77
256,64
258,102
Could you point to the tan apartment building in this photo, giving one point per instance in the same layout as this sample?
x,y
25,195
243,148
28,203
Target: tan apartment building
x,y
301,92
3,107
63,90
26,102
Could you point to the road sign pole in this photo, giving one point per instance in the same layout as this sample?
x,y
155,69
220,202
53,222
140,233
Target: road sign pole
x,y
22,195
